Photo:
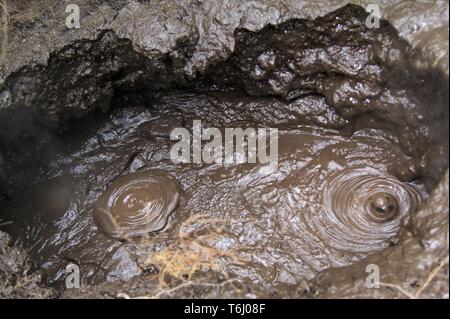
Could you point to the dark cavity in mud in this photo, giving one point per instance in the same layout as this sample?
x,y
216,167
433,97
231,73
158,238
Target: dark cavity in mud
x,y
363,136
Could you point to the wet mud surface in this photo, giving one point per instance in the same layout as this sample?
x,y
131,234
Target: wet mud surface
x,y
137,204
363,140
330,202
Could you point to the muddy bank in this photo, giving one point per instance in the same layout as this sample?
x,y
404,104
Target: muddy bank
x,y
369,76
348,119
154,28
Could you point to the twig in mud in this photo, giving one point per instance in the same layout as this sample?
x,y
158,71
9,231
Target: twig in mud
x,y
168,291
191,283
2,224
190,253
122,295
403,291
431,276
419,291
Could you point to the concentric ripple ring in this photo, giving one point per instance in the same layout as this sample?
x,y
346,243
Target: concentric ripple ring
x,y
362,209
137,204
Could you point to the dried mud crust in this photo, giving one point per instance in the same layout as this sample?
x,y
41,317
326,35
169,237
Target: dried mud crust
x,y
110,71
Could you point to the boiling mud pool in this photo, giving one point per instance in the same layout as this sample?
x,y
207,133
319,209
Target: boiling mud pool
x,y
330,201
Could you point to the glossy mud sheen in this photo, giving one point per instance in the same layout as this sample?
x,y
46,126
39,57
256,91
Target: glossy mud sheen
x,y
137,204
316,211
359,148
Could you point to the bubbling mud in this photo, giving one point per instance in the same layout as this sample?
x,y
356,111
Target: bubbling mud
x,y
346,117
137,204
329,202
362,209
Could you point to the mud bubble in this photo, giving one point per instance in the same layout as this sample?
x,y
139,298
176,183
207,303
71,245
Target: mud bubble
x,y
362,209
137,204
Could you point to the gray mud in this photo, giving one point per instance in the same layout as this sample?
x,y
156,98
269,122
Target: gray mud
x,y
363,150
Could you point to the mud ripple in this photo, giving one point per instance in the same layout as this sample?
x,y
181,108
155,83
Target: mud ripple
x,y
137,204
362,209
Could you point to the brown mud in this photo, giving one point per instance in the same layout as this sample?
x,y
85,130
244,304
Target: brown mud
x,y
363,140
313,212
137,204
